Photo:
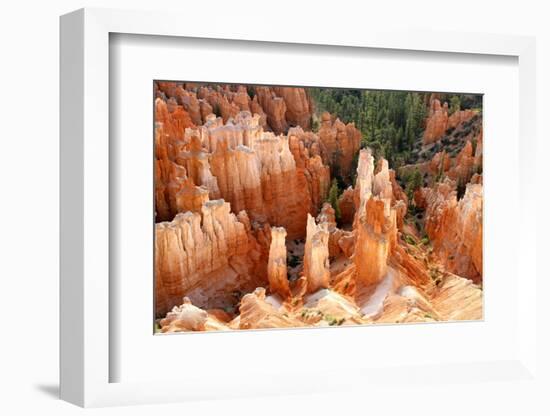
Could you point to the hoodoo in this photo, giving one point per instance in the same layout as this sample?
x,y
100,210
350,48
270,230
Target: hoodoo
x,y
276,266
316,256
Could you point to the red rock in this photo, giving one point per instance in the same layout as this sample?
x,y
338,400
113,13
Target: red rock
x,y
313,174
376,233
436,123
327,216
272,177
458,117
463,168
171,124
204,256
316,256
398,193
375,223
298,106
276,267
455,228
274,107
347,205
339,144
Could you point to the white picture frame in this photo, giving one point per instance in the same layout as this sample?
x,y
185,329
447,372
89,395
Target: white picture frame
x,y
85,353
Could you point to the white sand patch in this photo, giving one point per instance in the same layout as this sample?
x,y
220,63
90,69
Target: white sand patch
x,y
376,302
274,301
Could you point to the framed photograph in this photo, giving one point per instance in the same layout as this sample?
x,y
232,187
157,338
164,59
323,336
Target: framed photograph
x,y
292,213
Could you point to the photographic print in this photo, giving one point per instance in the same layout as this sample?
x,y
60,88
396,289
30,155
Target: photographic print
x,y
294,207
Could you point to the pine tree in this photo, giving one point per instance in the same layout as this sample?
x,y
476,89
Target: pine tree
x,y
455,104
414,182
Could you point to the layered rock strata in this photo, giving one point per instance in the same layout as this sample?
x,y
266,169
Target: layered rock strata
x,y
375,221
455,228
277,107
204,256
256,171
339,144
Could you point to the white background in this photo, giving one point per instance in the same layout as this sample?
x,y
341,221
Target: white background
x,y
137,61
29,209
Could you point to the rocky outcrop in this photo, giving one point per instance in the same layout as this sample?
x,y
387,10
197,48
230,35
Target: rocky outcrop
x,y
197,164
458,299
347,205
376,232
274,108
316,256
375,221
363,182
204,256
285,107
458,117
277,267
439,121
257,313
172,120
436,123
298,106
171,179
257,171
339,144
460,157
455,227
398,193
338,239
240,193
463,168
185,317
313,176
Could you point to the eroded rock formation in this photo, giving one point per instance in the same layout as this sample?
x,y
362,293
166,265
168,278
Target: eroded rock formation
x,y
277,267
316,256
455,227
339,144
204,256
439,120
298,106
241,207
436,124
